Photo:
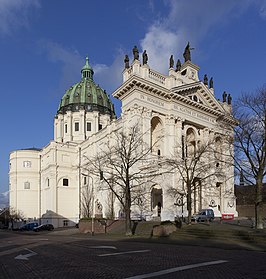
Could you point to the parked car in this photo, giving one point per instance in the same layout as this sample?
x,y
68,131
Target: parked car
x,y
203,215
28,227
44,227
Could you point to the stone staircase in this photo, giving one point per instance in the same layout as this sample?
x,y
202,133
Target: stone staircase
x,y
208,234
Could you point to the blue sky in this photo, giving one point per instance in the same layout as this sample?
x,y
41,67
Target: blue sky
x,y
43,45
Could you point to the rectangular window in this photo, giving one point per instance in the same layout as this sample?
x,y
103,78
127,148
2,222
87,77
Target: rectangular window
x,y
65,182
88,126
26,185
66,128
76,126
85,180
100,126
48,182
65,223
27,164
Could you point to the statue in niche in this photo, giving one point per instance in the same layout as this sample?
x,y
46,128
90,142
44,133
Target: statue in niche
x,y
135,53
229,100
145,57
211,83
224,97
171,62
205,80
186,54
178,66
126,60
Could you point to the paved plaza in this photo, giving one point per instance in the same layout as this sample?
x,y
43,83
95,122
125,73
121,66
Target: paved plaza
x,y
69,254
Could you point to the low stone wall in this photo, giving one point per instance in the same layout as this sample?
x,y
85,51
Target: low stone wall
x,y
99,225
163,230
248,210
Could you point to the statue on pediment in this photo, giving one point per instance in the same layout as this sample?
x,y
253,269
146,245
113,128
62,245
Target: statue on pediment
x,y
229,99
186,54
205,80
171,62
224,97
211,83
145,57
135,53
126,60
178,66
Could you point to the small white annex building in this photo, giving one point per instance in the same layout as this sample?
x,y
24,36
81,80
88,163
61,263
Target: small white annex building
x,y
48,184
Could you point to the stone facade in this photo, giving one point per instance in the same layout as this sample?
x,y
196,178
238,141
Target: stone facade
x,y
48,184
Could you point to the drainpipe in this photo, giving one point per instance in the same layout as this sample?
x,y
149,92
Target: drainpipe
x,y
79,170
40,194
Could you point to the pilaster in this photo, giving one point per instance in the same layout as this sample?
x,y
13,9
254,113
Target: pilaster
x,y
170,135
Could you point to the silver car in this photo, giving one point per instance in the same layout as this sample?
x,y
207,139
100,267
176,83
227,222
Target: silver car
x,y
203,215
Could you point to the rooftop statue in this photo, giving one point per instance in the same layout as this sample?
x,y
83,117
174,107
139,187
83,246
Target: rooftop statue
x,y
135,53
126,60
224,97
145,57
171,62
186,54
229,100
178,66
205,80
211,83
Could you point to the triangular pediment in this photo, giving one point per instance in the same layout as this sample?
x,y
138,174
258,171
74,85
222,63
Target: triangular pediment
x,y
198,94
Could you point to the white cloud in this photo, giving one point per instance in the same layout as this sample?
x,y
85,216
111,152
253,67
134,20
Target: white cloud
x,y
186,22
70,59
262,9
160,43
109,77
4,198
16,13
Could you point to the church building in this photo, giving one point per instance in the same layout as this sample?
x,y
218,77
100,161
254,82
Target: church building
x,y
177,114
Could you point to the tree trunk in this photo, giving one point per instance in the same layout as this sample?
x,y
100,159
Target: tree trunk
x,y
128,209
128,222
189,202
259,204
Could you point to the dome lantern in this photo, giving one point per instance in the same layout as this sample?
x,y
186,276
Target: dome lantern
x,y
86,71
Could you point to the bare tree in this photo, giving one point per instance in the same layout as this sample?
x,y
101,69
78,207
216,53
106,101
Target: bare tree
x,y
14,215
86,201
250,146
109,212
125,167
194,164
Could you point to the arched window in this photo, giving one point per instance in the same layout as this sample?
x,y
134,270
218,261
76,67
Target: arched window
x,y
157,135
190,143
218,149
157,200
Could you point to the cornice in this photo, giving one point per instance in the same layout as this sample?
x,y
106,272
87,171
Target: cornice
x,y
175,94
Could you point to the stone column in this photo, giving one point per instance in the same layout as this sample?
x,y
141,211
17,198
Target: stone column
x,y
169,143
146,126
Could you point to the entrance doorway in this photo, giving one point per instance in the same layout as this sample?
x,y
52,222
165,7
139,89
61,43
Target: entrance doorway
x,y
157,200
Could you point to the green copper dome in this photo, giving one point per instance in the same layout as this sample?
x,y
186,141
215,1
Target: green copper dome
x,y
86,95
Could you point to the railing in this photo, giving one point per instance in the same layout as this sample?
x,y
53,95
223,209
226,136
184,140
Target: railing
x,y
156,77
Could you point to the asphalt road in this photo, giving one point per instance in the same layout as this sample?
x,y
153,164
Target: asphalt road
x,y
49,255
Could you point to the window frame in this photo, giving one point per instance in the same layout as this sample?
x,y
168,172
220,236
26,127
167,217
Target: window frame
x,y
26,185
65,182
76,126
